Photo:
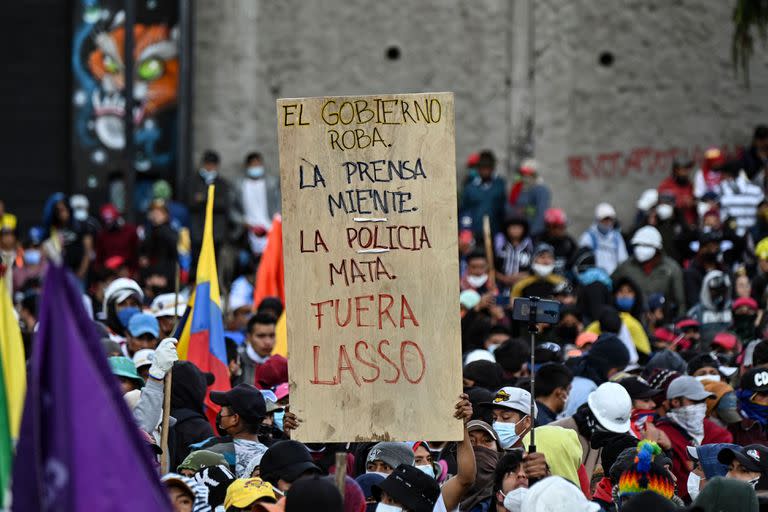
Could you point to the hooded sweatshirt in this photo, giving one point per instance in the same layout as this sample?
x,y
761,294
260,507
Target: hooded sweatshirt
x,y
187,395
712,319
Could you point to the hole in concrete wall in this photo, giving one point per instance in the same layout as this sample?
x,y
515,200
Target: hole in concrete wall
x,y
393,52
606,59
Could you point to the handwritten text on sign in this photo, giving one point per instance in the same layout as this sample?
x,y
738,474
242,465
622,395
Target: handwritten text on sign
x,y
369,208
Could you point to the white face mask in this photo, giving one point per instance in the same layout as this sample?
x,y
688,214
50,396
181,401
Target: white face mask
x,y
255,172
427,469
691,418
665,211
644,253
507,433
477,281
385,475
694,482
542,270
383,507
705,378
513,501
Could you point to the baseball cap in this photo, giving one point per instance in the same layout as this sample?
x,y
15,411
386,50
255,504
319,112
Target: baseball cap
x,y
638,388
124,367
286,460
586,337
163,305
282,391
761,251
516,399
725,340
542,248
754,457
143,323
393,454
529,167
244,492
755,380
656,301
200,459
410,487
605,211
314,494
707,454
476,425
688,387
687,323
745,301
143,357
245,399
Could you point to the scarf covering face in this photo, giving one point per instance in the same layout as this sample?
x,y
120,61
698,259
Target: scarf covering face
x,y
486,461
753,411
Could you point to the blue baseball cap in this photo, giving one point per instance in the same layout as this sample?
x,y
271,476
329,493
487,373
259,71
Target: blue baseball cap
x,y
707,457
143,323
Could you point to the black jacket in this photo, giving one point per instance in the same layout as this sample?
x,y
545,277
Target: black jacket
x,y
189,387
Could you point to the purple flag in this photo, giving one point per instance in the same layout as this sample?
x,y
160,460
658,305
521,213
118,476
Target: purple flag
x,y
79,448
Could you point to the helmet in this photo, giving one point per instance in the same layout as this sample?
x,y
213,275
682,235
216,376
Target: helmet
x,y
611,405
555,216
648,235
119,290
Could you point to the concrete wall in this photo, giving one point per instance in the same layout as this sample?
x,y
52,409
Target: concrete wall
x,y
671,86
599,132
249,53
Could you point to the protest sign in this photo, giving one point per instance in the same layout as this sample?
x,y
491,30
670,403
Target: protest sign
x,y
369,232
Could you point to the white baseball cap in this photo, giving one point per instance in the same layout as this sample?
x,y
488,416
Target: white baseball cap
x,y
605,211
143,357
647,235
164,303
516,399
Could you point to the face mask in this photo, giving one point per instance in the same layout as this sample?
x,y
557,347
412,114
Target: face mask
x,y
665,211
682,180
492,348
625,303
427,469
279,417
208,176
751,410
477,281
385,475
542,270
32,257
383,507
644,253
507,433
221,431
255,172
513,501
709,257
694,481
718,301
708,378
603,229
690,417
125,314
744,326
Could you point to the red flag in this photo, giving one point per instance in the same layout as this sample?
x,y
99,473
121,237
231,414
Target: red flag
x,y
270,276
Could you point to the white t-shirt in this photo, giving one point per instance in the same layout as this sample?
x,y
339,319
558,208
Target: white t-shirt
x,y
440,505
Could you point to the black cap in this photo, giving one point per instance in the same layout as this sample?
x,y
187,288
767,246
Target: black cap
x,y
211,157
638,388
754,457
245,399
314,494
755,380
410,487
702,361
286,460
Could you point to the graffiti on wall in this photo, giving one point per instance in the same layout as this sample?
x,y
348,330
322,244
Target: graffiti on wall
x,y
99,84
640,161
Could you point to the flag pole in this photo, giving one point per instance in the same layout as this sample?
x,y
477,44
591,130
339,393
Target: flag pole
x,y
167,388
488,240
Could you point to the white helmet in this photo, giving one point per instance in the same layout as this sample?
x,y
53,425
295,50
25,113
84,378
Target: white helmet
x,y
612,406
119,290
648,235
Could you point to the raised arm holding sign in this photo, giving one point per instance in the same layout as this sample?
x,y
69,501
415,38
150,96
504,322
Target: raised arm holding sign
x,y
369,210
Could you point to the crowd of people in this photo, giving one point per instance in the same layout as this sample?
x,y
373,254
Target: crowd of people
x,y
651,389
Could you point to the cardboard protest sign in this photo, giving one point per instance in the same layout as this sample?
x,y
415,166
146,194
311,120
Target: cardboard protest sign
x,y
371,267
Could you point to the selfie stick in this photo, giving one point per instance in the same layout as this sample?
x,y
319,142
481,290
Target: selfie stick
x,y
533,330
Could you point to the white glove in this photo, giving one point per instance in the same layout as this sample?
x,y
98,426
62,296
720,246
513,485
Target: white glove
x,y
165,355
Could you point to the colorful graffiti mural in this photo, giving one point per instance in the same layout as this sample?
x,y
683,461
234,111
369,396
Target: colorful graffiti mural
x,y
99,85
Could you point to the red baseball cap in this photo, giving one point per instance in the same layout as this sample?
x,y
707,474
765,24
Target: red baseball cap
x,y
555,216
745,301
725,340
687,323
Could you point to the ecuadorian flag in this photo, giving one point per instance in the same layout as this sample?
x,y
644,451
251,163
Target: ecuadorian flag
x,y
202,338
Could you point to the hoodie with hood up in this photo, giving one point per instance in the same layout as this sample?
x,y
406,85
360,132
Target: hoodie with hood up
x,y
714,318
187,395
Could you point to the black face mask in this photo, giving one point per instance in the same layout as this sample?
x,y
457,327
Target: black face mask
x,y
709,257
682,180
219,429
566,333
